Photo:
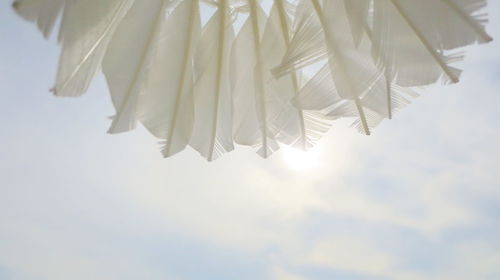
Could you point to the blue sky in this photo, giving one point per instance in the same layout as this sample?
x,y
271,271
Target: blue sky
x,y
419,199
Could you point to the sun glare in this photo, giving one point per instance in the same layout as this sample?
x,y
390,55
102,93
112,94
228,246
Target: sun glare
x,y
300,160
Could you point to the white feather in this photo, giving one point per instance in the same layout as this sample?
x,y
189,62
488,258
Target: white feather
x,y
209,88
307,44
165,106
293,126
256,106
411,58
86,30
357,12
136,39
43,12
212,132
355,75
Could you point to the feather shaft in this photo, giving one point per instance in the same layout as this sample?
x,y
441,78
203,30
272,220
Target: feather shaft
x,y
472,23
286,36
449,73
260,96
220,63
186,60
125,118
336,53
84,42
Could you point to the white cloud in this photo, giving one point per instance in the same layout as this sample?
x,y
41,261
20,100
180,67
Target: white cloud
x,y
350,254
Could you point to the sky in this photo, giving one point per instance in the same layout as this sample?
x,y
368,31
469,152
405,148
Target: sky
x,y
419,199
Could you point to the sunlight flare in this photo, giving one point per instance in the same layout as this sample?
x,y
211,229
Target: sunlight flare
x,y
301,160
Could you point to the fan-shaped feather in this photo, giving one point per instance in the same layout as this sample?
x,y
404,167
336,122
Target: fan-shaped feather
x,y
204,85
212,133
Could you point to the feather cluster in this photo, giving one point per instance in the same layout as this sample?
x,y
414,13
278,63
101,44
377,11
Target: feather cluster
x,y
256,73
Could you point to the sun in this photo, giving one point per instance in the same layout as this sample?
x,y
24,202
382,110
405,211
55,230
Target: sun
x,y
300,160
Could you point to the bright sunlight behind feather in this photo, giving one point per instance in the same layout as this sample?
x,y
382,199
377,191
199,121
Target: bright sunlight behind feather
x,y
216,83
300,160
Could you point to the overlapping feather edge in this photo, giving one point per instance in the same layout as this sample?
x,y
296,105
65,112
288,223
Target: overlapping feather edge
x,y
207,87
